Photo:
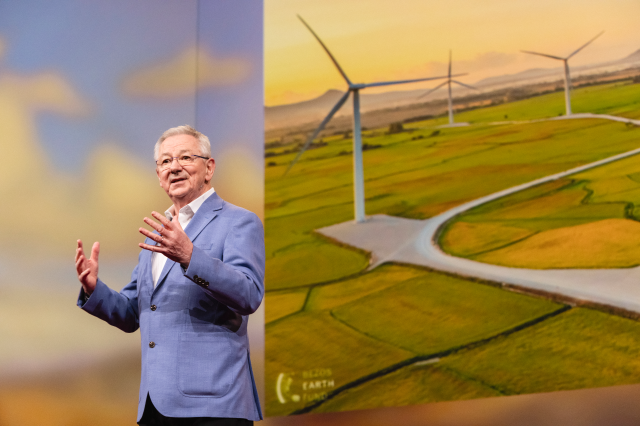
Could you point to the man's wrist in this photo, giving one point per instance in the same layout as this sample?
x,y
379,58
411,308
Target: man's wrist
x,y
185,264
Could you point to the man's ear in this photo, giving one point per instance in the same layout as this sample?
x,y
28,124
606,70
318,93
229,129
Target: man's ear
x,y
211,168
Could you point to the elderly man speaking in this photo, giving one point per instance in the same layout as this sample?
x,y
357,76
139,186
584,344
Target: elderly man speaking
x,y
199,275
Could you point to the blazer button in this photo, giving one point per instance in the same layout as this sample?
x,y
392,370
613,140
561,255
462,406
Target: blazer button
x,y
195,277
206,284
154,307
152,345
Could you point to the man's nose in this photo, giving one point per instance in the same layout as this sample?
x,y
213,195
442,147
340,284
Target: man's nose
x,y
175,165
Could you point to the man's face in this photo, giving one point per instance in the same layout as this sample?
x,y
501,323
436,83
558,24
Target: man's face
x,y
184,183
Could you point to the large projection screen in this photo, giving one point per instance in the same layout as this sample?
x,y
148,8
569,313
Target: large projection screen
x,y
497,254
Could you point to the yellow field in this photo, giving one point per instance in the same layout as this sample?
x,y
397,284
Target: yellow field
x,y
474,238
614,242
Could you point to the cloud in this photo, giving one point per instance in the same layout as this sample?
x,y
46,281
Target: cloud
x,y
177,77
21,97
45,91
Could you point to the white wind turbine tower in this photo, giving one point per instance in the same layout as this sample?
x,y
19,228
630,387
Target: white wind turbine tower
x,y
358,175
567,77
448,83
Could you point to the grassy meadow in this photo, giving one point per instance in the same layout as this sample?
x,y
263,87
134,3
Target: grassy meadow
x,y
363,330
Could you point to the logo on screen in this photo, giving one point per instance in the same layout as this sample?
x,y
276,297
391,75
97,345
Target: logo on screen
x,y
314,386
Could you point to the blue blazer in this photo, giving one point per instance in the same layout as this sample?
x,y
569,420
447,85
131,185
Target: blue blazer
x,y
193,325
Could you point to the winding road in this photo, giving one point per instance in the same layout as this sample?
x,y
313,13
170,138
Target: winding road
x,y
414,241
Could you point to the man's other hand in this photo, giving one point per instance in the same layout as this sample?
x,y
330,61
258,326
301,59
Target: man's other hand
x,y
87,269
172,241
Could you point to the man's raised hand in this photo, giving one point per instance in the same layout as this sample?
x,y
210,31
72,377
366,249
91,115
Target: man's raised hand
x,y
87,269
173,241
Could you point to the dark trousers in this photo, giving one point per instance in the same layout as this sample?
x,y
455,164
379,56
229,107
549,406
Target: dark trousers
x,y
151,417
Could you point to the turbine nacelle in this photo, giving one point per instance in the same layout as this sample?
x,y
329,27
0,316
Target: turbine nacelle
x,y
448,81
359,86
567,77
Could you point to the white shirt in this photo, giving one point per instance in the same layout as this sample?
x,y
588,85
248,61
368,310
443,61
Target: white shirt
x,y
185,215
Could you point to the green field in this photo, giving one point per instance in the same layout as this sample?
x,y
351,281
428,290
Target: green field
x,y
402,313
561,353
588,220
621,99
327,316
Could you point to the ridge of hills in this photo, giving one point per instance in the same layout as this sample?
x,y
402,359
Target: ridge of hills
x,y
314,110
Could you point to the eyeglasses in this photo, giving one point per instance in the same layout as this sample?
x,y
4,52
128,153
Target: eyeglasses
x,y
183,160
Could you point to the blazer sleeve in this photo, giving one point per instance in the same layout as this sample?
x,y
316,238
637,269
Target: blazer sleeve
x,y
120,309
237,280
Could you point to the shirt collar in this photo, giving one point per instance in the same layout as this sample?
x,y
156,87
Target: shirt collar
x,y
190,209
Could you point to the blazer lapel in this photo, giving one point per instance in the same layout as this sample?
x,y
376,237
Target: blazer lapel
x,y
205,214
145,276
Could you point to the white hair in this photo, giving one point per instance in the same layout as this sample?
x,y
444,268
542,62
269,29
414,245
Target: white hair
x,y
203,141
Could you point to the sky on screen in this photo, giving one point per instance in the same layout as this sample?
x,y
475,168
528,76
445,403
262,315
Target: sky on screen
x,y
386,40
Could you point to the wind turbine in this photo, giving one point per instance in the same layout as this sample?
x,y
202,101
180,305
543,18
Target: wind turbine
x,y
567,77
358,175
448,83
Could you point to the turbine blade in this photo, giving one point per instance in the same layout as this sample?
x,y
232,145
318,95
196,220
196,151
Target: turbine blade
x,y
585,45
388,83
543,54
324,122
465,85
328,52
449,63
433,90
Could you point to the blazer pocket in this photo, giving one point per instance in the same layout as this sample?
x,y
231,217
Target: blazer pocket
x,y
204,246
208,364
213,249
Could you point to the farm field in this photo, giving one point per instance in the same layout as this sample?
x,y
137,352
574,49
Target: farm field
x,y
572,350
417,178
587,220
321,305
621,99
352,339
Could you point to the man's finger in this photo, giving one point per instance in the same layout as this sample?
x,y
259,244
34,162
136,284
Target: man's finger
x,y
79,266
153,224
149,234
84,274
95,251
79,256
158,249
176,221
163,220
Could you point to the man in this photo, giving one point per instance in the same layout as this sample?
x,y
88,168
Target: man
x,y
199,275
